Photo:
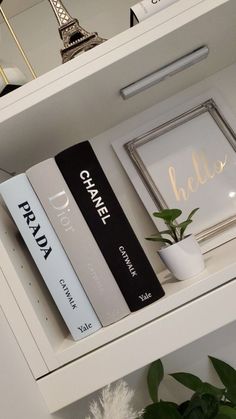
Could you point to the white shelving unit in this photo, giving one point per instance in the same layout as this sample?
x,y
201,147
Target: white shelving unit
x,y
81,99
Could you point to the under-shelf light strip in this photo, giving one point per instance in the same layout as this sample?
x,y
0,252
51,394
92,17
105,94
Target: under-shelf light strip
x,y
163,73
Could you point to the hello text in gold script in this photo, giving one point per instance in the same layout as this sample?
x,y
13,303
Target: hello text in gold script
x,y
202,173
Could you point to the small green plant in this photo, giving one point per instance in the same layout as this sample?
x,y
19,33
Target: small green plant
x,y
175,232
207,401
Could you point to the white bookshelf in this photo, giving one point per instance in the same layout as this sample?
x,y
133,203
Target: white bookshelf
x,y
79,100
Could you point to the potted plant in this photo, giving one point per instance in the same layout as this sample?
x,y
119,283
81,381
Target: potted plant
x,y
181,253
206,401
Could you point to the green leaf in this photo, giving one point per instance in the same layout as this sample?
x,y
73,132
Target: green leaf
x,y
196,414
210,389
211,406
168,214
174,231
228,411
154,377
183,406
188,380
162,232
195,404
192,213
162,410
194,409
159,239
227,374
202,406
167,232
182,226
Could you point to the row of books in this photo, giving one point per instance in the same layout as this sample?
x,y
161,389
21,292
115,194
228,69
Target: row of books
x,y
81,240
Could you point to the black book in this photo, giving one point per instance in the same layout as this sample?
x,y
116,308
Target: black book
x,y
109,225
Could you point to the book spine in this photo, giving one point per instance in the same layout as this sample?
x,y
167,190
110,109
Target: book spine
x,y
109,225
49,257
78,242
145,8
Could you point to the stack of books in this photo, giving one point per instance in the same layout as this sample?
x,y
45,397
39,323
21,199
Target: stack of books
x,y
81,240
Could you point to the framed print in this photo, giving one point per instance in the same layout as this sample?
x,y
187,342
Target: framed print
x,y
187,162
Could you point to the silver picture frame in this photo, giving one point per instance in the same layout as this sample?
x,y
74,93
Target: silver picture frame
x,y
210,109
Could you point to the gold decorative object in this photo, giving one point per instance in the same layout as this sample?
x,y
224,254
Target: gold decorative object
x,y
75,38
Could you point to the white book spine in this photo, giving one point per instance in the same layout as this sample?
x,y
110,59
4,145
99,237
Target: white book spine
x,y
78,241
145,8
49,257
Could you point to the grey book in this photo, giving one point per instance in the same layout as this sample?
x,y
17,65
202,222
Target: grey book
x,y
78,242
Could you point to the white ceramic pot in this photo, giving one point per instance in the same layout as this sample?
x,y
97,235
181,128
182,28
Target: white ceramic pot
x,y
183,259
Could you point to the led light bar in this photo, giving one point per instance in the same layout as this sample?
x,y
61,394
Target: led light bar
x,y
163,73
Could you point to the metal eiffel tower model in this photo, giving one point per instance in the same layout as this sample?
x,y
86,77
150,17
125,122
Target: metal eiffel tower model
x,y
75,38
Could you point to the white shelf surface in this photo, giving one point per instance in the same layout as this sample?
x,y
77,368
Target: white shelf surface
x,y
136,349
220,268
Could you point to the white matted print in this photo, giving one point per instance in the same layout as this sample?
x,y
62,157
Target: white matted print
x,y
188,162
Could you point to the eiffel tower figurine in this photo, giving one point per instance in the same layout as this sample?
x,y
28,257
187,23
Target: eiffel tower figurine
x,y
75,38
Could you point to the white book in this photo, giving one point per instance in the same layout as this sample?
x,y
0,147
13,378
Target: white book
x,y
49,257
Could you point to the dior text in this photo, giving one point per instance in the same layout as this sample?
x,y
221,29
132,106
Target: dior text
x,y
60,202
